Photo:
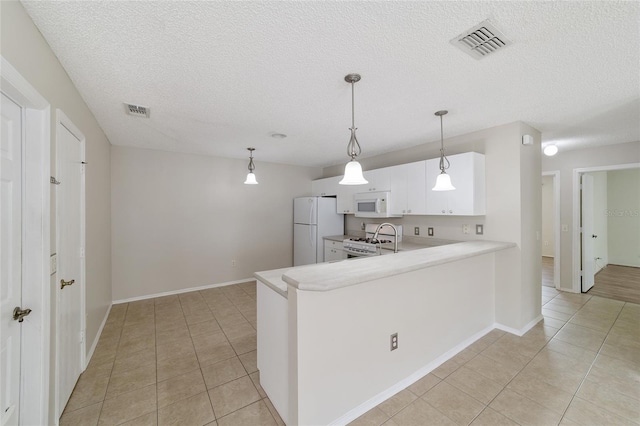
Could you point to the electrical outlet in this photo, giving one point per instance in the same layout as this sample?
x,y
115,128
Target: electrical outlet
x,y
363,226
394,341
430,232
465,229
479,229
416,230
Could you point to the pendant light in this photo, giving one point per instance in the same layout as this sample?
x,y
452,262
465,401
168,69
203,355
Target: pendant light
x,y
251,178
353,169
443,182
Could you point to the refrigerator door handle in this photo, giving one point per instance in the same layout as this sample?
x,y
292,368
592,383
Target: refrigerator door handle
x,y
310,214
310,235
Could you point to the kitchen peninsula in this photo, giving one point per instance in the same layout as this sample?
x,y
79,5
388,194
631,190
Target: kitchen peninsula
x,y
324,331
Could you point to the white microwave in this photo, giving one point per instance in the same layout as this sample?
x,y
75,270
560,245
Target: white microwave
x,y
373,204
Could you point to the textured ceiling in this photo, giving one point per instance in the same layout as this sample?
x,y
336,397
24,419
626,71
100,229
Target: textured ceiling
x,y
222,76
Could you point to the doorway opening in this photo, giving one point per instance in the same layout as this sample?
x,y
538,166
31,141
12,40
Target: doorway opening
x,y
551,229
606,240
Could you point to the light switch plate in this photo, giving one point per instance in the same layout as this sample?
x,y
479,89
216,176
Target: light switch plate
x,y
430,232
479,229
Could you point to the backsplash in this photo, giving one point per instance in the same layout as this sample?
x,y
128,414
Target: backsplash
x,y
444,227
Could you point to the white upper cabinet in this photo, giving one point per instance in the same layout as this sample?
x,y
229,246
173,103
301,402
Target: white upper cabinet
x,y
408,188
325,187
467,176
378,180
345,197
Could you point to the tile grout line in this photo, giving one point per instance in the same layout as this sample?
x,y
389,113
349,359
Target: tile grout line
x,y
519,371
592,364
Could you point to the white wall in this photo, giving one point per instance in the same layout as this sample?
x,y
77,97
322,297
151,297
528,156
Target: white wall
x,y
512,208
565,162
600,246
180,220
623,217
344,359
25,48
548,211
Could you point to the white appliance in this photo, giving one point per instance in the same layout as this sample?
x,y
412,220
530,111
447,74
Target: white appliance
x,y
313,219
358,247
373,204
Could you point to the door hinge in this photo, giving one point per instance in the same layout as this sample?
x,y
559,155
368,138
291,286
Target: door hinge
x,y
54,181
82,252
82,337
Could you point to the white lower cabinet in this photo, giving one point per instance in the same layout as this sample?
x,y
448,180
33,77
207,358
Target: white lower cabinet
x,y
333,251
467,176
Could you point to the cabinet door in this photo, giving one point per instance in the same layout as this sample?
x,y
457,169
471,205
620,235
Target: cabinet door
x,y
345,198
416,189
378,180
325,187
460,201
333,251
437,201
398,185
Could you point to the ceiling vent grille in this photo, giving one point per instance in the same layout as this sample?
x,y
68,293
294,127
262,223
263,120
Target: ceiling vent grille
x,y
481,40
137,110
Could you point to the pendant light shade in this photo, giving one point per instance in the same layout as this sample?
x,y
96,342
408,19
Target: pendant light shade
x,y
443,181
353,174
251,177
353,170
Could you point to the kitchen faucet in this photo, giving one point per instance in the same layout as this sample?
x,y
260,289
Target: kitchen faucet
x,y
395,240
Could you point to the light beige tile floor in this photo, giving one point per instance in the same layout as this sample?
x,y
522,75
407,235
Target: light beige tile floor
x,y
191,359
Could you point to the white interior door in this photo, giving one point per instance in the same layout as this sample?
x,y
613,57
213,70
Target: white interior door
x,y
588,259
70,249
11,255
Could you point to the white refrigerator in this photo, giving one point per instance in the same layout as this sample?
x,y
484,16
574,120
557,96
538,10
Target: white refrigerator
x,y
313,219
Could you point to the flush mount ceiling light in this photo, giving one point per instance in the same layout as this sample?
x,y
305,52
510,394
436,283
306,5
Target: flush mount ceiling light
x,y
278,135
251,178
443,182
353,169
550,150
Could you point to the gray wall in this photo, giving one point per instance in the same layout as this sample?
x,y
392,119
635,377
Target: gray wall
x,y
623,217
548,212
182,220
25,48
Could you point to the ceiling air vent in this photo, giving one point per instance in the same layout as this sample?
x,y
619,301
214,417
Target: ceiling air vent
x,y
481,40
137,110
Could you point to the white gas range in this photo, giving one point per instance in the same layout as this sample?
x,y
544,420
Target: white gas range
x,y
365,246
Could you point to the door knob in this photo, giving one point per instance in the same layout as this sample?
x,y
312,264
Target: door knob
x,y
64,283
19,314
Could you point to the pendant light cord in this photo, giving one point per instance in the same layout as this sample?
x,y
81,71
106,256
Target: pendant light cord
x,y
353,147
443,158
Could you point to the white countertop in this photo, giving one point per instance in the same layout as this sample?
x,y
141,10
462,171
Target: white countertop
x,y
331,276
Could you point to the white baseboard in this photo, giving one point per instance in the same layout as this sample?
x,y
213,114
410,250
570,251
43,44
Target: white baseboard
x,y
521,331
97,338
403,384
182,290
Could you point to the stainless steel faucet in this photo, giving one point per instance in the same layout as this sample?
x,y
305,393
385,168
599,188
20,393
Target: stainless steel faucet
x,y
395,230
